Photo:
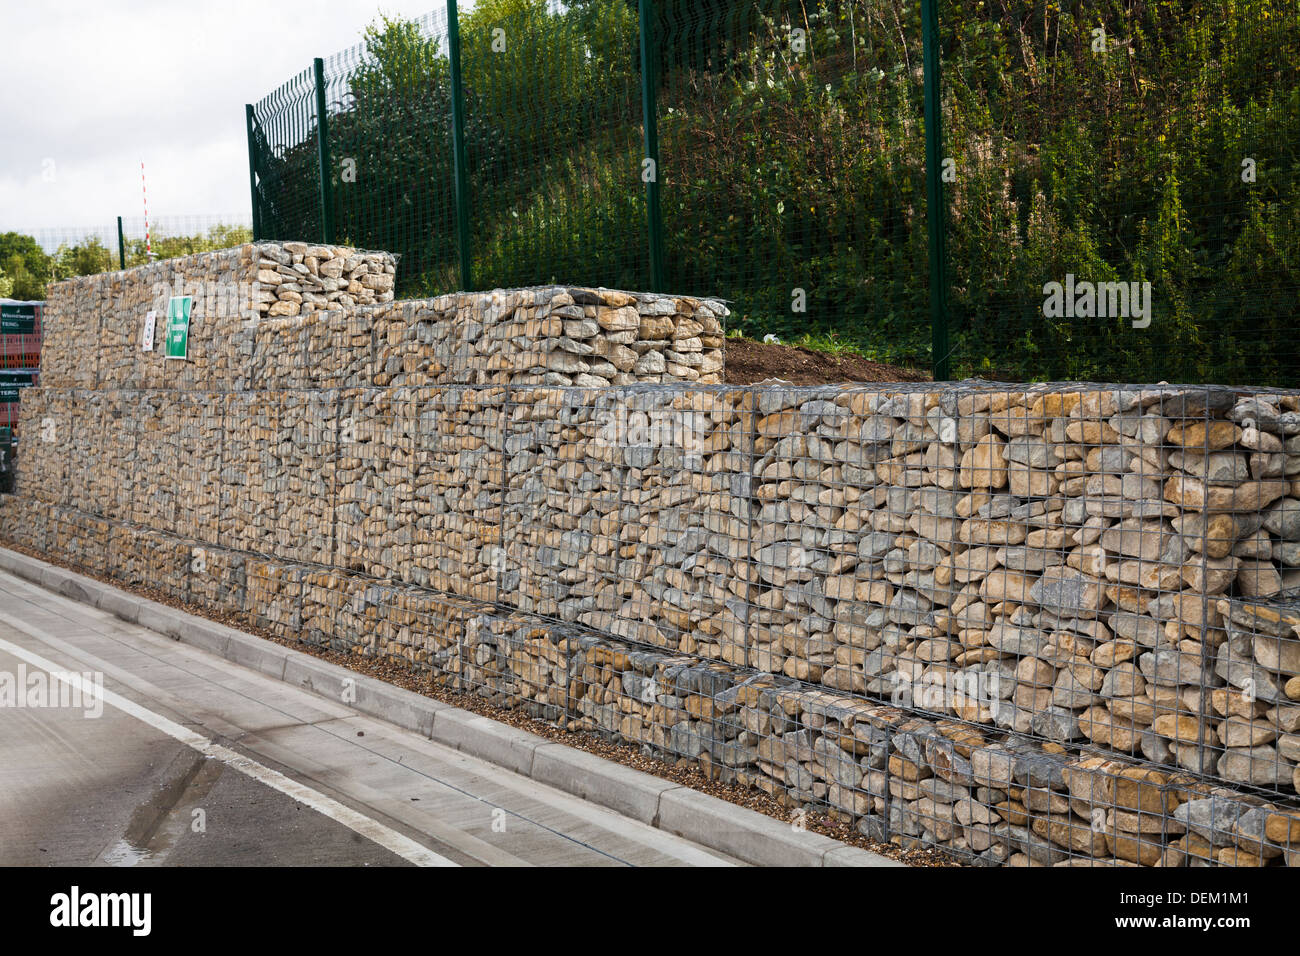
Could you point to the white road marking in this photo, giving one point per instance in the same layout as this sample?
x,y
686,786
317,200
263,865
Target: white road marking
x,y
372,830
157,648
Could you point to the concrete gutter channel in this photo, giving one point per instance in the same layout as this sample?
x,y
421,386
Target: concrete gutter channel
x,y
745,834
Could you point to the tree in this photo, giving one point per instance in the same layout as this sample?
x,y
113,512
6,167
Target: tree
x,y
220,236
88,257
26,265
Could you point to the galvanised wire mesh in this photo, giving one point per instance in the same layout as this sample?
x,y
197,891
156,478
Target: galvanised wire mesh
x,y
1054,624
170,237
53,238
1155,147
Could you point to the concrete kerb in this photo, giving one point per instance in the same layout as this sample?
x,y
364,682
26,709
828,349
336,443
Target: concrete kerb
x,y
706,820
487,739
611,785
160,618
765,841
368,695
9,561
205,635
121,604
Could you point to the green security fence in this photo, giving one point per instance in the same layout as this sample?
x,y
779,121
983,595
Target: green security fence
x,y
1103,190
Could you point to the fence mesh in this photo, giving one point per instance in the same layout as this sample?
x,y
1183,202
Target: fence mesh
x,y
389,125
553,143
282,152
85,250
1142,158
1149,147
793,167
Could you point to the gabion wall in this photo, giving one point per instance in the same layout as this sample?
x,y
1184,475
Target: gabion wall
x,y
292,315
1026,624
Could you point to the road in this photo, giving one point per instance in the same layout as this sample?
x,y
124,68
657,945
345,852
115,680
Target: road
x,y
188,759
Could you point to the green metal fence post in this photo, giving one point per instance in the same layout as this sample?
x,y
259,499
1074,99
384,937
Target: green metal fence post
x,y
461,180
935,209
249,121
121,245
323,154
650,167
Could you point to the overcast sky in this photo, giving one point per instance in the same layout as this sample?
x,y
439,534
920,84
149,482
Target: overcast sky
x,y
92,87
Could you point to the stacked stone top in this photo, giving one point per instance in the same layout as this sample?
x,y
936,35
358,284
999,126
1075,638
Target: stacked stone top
x,y
94,335
294,314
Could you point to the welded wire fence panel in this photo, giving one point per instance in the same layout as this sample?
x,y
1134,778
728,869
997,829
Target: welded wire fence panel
x,y
390,160
423,628
375,457
307,452
793,167
216,578
1119,183
273,596
85,442
86,250
628,510
113,482
1125,190
283,151
169,237
337,606
44,416
455,522
63,251
248,475
554,145
157,439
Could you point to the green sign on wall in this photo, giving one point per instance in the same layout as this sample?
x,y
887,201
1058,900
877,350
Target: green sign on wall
x,y
178,326
17,319
12,383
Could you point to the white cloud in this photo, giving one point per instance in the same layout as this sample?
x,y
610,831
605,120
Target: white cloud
x,y
94,88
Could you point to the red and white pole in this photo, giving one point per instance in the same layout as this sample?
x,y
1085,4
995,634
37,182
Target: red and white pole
x,y
148,242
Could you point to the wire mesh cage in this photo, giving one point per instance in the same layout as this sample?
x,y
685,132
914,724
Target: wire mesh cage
x,y
1027,625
